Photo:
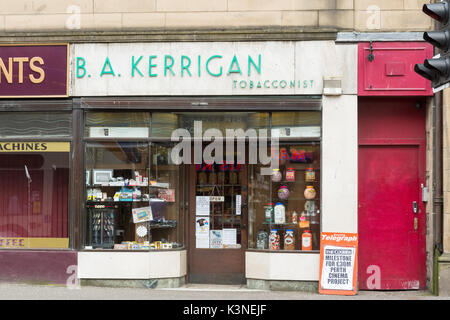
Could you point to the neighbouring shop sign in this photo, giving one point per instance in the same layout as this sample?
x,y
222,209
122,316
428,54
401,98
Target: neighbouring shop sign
x,y
208,68
338,263
40,70
25,243
29,146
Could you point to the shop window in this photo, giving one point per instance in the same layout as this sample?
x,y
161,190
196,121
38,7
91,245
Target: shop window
x,y
163,124
284,207
35,124
34,195
296,124
117,124
133,196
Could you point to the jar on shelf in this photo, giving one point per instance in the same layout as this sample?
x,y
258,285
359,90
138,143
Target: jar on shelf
x,y
274,240
310,175
262,240
279,213
289,240
306,240
310,193
269,213
276,175
283,193
290,174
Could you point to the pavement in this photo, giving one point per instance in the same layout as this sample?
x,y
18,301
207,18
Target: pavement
x,y
12,291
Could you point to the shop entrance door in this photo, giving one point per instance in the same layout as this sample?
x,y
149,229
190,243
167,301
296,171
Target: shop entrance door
x,y
391,214
217,223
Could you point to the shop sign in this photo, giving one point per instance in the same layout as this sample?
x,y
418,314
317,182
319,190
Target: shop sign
x,y
338,263
28,71
34,146
202,68
25,243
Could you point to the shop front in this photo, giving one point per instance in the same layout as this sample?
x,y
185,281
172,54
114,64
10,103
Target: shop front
x,y
35,161
213,162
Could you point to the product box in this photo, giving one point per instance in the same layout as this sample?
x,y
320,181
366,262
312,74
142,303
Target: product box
x,y
167,195
142,214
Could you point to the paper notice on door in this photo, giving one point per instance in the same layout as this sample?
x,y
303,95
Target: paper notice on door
x,y
215,239
202,206
202,226
202,242
229,237
238,204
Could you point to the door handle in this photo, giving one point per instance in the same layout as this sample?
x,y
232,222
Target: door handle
x,y
415,207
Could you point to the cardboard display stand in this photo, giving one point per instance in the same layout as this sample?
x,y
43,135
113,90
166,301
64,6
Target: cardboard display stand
x,y
338,263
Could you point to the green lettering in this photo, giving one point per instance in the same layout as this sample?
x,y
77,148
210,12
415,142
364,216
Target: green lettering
x,y
234,61
168,67
107,63
185,67
207,66
199,65
81,66
150,66
251,62
134,66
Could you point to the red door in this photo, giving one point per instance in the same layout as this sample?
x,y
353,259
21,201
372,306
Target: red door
x,y
391,172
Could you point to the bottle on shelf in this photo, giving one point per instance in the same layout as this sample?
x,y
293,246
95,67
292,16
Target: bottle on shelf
x,y
306,240
289,240
274,240
310,175
310,192
283,193
279,212
276,175
269,212
290,174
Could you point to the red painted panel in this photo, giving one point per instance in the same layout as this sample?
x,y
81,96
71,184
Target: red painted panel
x,y
391,171
37,266
391,118
391,73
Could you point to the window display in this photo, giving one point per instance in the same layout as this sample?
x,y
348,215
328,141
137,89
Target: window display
x,y
132,201
285,207
34,197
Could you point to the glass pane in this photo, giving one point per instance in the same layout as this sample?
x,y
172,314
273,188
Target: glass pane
x,y
222,187
117,207
284,208
165,198
34,199
163,124
298,124
131,206
35,124
117,124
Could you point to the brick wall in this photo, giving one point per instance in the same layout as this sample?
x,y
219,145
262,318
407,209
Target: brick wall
x,y
359,15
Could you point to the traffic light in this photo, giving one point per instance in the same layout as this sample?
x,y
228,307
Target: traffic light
x,y
437,69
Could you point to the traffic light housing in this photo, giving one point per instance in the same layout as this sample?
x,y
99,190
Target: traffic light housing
x,y
437,70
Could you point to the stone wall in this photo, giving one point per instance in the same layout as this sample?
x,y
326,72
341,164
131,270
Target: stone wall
x,y
119,15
